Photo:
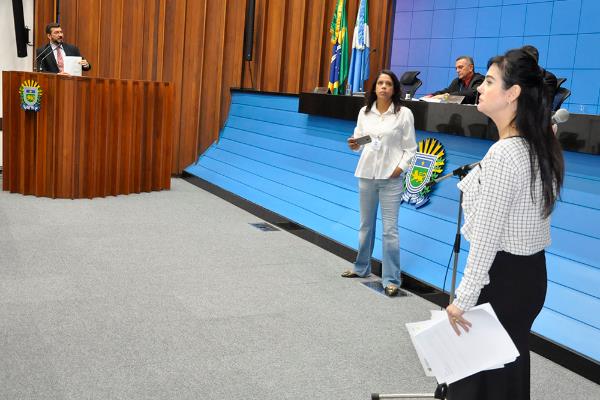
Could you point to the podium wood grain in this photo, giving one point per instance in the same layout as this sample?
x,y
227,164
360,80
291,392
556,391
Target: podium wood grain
x,y
93,137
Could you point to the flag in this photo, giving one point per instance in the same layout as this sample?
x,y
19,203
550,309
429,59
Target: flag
x,y
338,68
359,66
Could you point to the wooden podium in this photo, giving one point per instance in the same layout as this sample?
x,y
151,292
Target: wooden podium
x,y
92,137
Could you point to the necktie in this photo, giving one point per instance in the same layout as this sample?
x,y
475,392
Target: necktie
x,y
59,60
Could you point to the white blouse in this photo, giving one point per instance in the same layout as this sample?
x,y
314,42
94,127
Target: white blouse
x,y
500,214
393,141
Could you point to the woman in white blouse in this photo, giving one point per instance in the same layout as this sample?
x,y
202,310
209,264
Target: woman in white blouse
x,y
508,200
382,161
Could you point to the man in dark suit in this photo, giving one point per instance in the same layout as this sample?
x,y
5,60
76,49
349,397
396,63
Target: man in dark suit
x,y
465,84
550,81
52,55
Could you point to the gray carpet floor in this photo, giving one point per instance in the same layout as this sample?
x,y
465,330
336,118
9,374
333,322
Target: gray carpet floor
x,y
173,295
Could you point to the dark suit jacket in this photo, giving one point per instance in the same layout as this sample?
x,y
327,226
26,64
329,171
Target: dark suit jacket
x,y
48,61
457,88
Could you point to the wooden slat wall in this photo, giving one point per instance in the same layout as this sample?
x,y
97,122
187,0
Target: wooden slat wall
x,y
44,11
197,45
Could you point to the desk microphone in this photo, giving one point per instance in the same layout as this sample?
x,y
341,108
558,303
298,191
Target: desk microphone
x,y
560,116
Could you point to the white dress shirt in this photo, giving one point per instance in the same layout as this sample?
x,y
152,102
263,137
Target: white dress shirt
x,y
393,141
500,214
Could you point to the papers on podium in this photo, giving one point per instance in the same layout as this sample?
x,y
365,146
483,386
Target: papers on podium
x,y
450,357
72,66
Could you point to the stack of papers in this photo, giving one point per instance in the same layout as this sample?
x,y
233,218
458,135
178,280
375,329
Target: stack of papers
x,y
72,66
430,99
450,357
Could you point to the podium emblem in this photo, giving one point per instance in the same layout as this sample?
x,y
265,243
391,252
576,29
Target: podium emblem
x,y
426,165
31,95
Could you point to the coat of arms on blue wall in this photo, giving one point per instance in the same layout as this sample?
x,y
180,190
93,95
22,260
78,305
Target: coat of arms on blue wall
x,y
427,165
31,95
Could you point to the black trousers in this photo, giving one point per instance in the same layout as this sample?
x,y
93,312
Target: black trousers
x,y
516,291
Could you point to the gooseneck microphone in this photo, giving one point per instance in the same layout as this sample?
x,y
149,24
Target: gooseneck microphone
x,y
44,53
38,60
560,116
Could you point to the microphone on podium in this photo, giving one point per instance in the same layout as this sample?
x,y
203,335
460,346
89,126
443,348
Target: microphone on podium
x,y
38,60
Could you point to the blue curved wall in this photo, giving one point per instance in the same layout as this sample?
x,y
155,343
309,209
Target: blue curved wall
x,y
300,167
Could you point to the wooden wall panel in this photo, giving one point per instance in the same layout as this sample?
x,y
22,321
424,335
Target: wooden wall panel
x,y
232,68
292,47
305,44
110,39
174,22
193,72
197,45
273,45
44,12
314,45
212,74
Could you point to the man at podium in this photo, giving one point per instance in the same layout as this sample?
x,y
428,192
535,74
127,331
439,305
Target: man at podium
x,y
51,57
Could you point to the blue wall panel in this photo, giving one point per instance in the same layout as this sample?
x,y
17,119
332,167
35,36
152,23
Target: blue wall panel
x,y
483,3
418,53
421,24
590,10
439,53
466,3
561,52
587,54
488,22
566,33
300,167
465,22
402,25
444,4
423,5
537,17
513,20
443,24
565,17
404,5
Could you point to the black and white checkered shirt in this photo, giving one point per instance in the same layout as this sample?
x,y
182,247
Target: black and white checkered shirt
x,y
499,214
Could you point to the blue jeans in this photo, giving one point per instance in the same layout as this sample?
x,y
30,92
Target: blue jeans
x,y
373,192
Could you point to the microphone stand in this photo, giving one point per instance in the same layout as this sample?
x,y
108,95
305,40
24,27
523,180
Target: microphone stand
x,y
442,389
461,172
38,61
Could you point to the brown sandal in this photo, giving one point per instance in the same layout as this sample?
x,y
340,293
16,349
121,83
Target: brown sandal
x,y
350,274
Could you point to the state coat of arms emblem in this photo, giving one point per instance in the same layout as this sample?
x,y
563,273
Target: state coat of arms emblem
x,y
31,95
426,165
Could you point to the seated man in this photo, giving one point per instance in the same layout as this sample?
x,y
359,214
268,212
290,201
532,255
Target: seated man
x,y
550,81
465,84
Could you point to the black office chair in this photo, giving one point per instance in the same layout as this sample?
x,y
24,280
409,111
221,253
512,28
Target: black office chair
x,y
560,81
561,95
409,83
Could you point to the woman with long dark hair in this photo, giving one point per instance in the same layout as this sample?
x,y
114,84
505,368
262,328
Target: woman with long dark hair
x,y
390,128
508,200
